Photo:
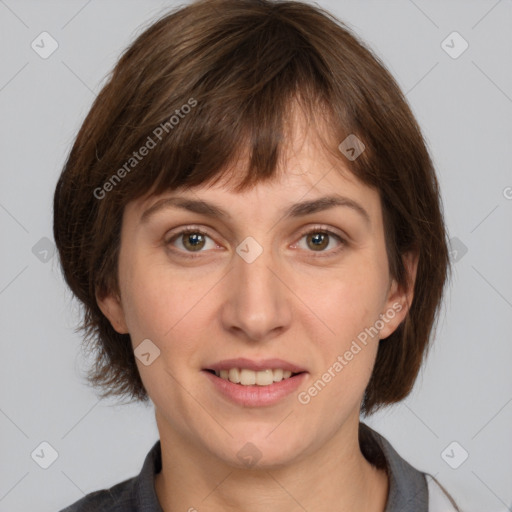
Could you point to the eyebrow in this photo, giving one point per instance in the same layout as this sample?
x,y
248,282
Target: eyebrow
x,y
296,210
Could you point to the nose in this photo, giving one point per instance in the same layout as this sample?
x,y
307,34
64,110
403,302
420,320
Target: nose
x,y
258,300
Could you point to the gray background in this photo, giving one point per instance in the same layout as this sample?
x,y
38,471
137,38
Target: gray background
x,y
464,106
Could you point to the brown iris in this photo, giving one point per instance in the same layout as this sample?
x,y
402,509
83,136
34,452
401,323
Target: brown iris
x,y
320,240
193,241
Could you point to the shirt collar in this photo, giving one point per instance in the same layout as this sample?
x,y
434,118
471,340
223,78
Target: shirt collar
x,y
407,486
145,493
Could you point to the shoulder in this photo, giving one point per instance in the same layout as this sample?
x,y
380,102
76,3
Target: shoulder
x,y
134,494
408,487
131,495
118,498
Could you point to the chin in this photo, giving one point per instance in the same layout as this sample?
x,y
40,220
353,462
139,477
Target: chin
x,y
260,451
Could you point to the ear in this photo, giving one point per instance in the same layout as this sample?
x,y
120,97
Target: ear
x,y
399,298
111,306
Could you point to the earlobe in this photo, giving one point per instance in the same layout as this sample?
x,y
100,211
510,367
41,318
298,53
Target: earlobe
x,y
111,307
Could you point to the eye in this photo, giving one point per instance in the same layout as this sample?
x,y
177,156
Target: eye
x,y
191,239
318,239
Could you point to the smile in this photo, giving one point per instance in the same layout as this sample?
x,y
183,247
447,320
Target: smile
x,y
249,393
247,377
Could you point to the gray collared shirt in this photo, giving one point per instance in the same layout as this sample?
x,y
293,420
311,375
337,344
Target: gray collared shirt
x,y
408,490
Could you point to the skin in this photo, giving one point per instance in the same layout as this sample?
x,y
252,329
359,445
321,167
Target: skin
x,y
295,302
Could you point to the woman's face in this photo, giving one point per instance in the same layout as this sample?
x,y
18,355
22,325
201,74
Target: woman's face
x,y
272,285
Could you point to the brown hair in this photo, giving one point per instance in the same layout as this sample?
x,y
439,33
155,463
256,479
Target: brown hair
x,y
196,87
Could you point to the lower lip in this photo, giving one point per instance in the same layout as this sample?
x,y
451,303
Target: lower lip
x,y
256,396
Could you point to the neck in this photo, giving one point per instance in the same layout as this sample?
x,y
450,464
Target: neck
x,y
192,479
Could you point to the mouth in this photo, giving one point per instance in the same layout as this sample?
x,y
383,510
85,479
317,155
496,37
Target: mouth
x,y
251,383
248,377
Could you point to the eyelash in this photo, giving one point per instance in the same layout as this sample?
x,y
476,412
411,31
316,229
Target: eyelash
x,y
314,230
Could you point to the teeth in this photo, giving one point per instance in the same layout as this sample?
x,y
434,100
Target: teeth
x,y
234,375
278,375
247,377
264,378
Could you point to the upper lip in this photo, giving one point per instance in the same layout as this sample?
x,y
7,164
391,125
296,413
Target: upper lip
x,y
249,364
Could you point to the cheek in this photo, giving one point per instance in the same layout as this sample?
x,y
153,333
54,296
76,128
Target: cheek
x,y
162,305
347,301
149,303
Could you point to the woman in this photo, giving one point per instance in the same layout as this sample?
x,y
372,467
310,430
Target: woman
x,y
251,219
